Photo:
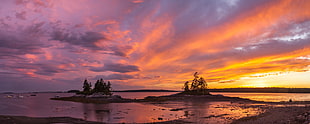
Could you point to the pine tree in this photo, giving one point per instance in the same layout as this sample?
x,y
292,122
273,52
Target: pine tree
x,y
86,87
97,87
198,85
186,88
100,87
109,89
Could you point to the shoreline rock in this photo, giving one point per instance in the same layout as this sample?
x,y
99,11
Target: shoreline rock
x,y
279,115
95,99
7,119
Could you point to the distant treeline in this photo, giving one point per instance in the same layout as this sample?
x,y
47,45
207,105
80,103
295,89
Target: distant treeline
x,y
263,90
76,91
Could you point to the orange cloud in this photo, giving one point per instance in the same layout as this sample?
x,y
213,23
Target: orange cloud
x,y
244,29
261,65
273,15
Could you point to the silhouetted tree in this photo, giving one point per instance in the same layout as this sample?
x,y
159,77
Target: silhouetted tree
x,y
109,89
86,87
100,87
198,85
186,88
97,87
195,82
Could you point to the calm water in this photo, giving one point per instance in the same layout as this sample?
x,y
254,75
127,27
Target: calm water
x,y
270,97
141,95
41,106
206,112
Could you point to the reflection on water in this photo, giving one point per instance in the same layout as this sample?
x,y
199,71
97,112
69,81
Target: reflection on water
x,y
213,112
269,97
39,105
141,95
129,113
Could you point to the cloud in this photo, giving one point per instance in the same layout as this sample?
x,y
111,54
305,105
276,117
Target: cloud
x,y
21,15
88,39
48,69
164,41
115,77
92,40
122,68
121,50
23,68
24,41
10,83
209,46
137,1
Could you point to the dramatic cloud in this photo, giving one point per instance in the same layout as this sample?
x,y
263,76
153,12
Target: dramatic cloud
x,y
116,68
20,42
155,43
114,77
88,39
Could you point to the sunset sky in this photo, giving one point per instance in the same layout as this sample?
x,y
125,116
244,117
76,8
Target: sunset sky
x,y
154,44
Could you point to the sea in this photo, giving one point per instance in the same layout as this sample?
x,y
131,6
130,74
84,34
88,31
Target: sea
x,y
40,105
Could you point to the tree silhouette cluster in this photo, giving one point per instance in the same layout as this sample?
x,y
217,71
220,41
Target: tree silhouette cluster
x,y
196,86
101,87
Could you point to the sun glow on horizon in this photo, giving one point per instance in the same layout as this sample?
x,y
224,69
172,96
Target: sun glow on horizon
x,y
257,84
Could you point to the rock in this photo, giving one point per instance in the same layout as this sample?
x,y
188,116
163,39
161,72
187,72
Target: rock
x,y
150,97
116,97
118,117
177,109
100,111
160,118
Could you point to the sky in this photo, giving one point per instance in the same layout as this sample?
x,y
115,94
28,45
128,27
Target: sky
x,y
153,44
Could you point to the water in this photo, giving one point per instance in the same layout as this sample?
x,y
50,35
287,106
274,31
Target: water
x,y
41,106
212,112
200,112
269,97
141,95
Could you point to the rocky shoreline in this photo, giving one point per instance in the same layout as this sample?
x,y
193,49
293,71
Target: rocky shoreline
x,y
95,100
6,119
279,115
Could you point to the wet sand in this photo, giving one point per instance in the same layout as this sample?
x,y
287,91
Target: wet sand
x,y
280,115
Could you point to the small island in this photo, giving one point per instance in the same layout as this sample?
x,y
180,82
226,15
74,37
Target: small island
x,y
195,89
101,93
195,93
